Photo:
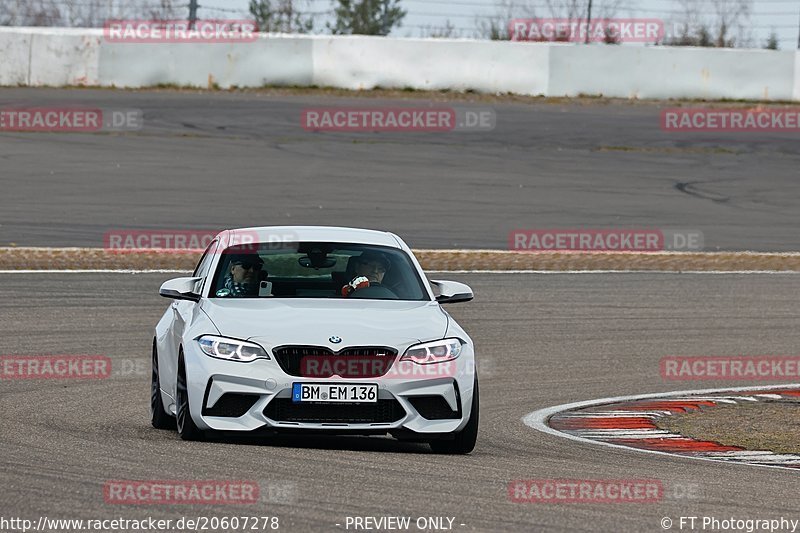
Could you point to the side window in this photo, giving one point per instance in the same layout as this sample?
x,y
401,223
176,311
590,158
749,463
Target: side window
x,y
205,262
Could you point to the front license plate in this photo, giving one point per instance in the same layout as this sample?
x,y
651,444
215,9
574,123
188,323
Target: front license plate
x,y
336,393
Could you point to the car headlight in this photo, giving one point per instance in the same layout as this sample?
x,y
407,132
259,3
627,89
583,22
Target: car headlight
x,y
433,352
231,349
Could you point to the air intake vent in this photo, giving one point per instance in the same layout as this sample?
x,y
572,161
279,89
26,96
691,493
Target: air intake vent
x,y
383,411
320,362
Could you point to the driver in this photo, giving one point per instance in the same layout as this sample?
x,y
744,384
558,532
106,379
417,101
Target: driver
x,y
244,276
373,266
370,269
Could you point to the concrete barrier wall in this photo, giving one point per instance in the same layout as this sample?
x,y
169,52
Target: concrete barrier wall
x,y
64,58
669,72
57,57
484,66
15,51
796,96
268,61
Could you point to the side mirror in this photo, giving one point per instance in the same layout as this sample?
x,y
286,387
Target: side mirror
x,y
182,289
452,292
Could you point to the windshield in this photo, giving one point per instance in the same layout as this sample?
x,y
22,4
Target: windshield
x,y
317,270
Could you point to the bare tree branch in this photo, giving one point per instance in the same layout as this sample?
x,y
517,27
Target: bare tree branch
x,y
84,13
496,27
728,27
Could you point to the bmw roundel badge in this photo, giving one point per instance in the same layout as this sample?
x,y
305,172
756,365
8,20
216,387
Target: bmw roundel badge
x,y
335,339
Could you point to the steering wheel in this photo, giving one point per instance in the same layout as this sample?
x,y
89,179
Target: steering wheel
x,y
395,287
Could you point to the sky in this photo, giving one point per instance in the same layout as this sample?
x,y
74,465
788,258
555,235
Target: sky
x,y
423,16
781,16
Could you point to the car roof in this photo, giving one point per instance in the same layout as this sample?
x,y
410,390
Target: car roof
x,y
315,234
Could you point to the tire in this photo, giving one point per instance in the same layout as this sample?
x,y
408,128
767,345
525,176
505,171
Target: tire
x,y
187,429
158,415
464,441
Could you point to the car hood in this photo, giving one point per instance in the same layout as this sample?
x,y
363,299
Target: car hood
x,y
276,322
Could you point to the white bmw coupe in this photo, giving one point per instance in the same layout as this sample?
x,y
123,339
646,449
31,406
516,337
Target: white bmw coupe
x,y
314,329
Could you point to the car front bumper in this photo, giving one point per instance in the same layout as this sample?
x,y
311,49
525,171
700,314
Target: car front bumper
x,y
264,381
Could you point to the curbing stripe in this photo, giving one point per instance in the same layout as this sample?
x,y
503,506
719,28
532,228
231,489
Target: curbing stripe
x,y
677,446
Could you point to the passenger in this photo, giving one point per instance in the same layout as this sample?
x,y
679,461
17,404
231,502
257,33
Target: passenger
x,y
244,276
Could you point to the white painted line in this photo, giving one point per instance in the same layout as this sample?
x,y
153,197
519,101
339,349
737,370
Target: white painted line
x,y
607,253
721,399
667,253
616,414
622,434
488,272
598,438
615,431
745,453
768,459
538,419
744,398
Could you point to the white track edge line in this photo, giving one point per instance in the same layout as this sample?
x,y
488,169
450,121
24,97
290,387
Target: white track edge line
x,y
671,253
544,272
538,419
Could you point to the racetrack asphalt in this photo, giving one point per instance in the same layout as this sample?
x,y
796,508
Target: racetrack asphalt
x,y
541,340
215,160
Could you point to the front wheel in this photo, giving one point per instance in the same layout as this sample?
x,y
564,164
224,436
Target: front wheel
x,y
158,415
187,429
464,441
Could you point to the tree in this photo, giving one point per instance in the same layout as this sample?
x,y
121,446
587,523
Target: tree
x,y
493,29
496,27
367,17
448,31
772,41
732,16
280,16
164,10
83,13
29,13
713,23
578,9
